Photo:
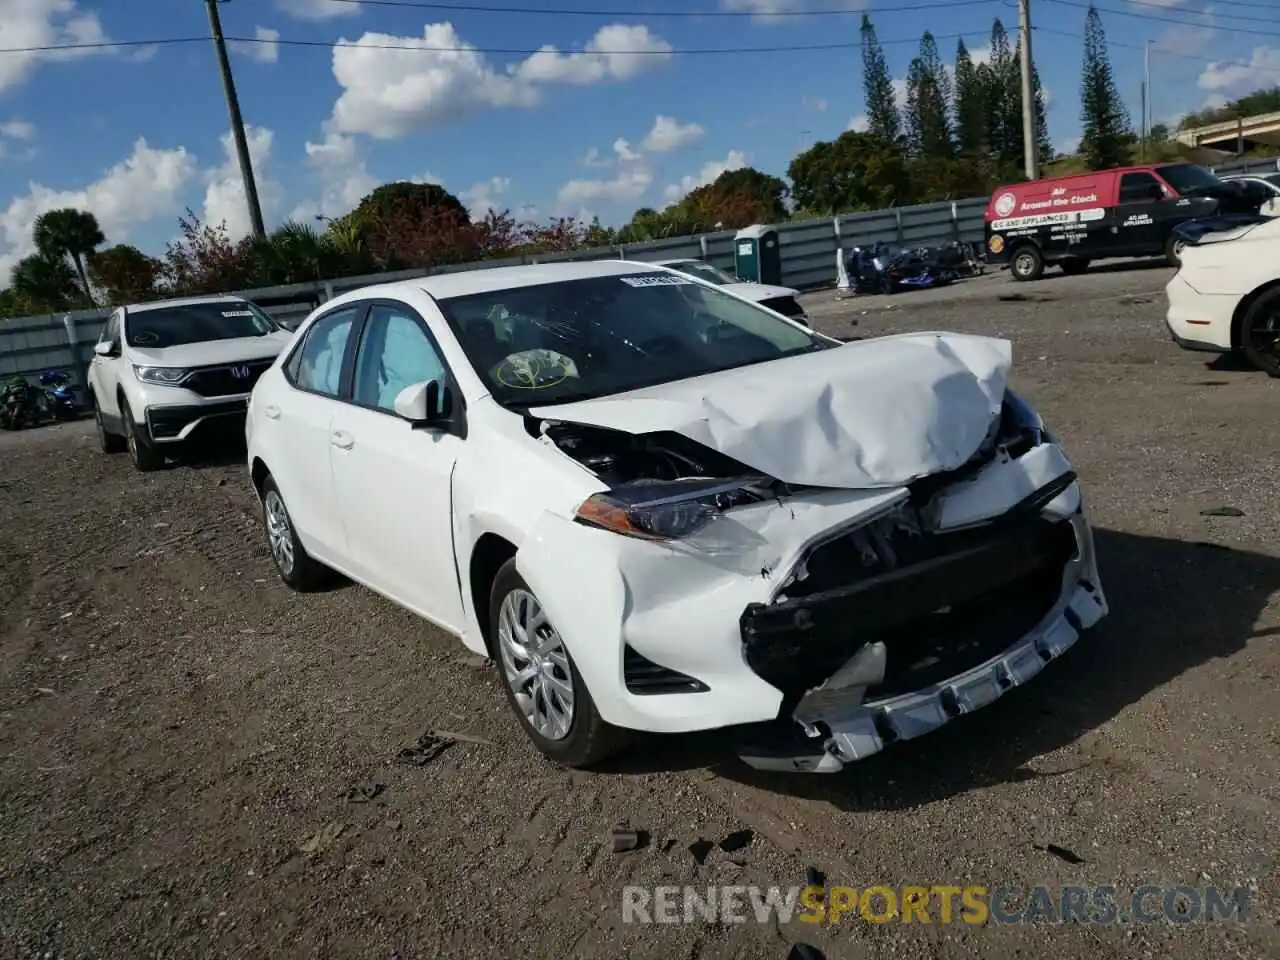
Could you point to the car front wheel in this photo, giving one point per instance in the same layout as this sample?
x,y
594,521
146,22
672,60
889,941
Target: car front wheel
x,y
1260,336
540,680
108,442
144,456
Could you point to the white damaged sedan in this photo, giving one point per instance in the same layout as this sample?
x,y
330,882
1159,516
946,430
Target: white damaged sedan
x,y
661,508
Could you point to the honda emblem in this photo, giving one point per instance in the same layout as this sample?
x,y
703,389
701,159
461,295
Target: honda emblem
x,y
241,372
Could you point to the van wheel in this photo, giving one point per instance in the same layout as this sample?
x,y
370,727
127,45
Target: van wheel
x,y
1027,264
1073,266
1173,251
1260,335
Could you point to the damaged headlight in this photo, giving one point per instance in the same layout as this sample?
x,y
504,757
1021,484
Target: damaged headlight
x,y
1018,419
669,510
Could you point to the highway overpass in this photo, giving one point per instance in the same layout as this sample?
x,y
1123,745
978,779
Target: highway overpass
x,y
1260,131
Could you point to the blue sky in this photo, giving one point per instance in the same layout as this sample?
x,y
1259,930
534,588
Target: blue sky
x,y
612,115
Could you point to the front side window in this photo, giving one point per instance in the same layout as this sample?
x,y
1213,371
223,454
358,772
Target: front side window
x,y
395,353
1136,187
174,326
580,339
319,359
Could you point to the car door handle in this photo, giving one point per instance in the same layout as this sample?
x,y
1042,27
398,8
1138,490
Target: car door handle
x,y
271,411
342,440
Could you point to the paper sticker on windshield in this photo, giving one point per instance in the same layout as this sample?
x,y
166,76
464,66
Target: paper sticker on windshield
x,y
237,313
656,280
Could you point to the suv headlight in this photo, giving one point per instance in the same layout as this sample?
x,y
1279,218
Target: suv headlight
x,y
162,376
1017,417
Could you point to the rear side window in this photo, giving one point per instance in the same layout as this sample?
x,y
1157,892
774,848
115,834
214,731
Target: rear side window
x,y
1137,187
316,366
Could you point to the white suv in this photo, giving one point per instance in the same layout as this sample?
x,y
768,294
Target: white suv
x,y
163,371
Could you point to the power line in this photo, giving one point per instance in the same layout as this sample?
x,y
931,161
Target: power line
x,y
1159,49
1185,23
650,14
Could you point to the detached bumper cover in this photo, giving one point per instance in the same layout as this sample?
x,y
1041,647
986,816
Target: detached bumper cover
x,y
842,727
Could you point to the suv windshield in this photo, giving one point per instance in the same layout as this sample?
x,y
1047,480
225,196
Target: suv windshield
x,y
581,339
703,271
196,323
1188,177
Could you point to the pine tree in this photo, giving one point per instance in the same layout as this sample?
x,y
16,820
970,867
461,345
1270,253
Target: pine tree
x,y
970,104
1107,134
928,109
1044,149
882,108
1004,118
1044,146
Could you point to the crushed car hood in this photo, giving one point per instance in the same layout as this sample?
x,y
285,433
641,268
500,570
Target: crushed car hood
x,y
874,413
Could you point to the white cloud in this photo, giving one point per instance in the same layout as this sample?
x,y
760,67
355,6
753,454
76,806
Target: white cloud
x,y
1237,76
482,197
438,77
859,124
766,11
143,187
265,50
344,177
982,54
622,148
44,23
710,172
224,200
616,52
17,130
669,134
318,9
428,176
594,159
627,185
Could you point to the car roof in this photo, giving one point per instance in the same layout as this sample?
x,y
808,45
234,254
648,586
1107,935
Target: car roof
x,y
182,302
444,286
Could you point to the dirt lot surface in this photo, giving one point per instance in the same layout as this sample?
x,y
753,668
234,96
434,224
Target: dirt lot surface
x,y
179,732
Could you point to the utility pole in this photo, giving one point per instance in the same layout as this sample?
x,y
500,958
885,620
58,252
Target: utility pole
x,y
237,122
1142,143
1147,110
1030,142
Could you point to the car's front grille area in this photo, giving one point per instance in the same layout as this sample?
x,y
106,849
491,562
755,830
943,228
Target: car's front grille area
x,y
940,602
226,379
644,677
787,306
166,423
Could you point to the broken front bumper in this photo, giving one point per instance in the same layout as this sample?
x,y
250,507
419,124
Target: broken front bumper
x,y
842,725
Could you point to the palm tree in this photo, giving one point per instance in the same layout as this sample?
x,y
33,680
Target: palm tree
x,y
44,282
69,233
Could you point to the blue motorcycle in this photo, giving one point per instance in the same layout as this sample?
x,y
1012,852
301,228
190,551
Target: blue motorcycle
x,y
60,401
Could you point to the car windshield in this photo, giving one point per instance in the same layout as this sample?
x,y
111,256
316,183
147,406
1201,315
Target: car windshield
x,y
581,339
174,326
703,271
1188,177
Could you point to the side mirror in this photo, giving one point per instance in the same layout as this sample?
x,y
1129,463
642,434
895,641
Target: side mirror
x,y
420,404
105,349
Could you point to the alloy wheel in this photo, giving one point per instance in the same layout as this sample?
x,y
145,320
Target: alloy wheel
x,y
1024,264
536,665
279,532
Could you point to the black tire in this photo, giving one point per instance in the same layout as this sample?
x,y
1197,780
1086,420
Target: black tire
x,y
109,443
1173,251
589,739
1074,266
144,455
1262,356
1027,263
296,567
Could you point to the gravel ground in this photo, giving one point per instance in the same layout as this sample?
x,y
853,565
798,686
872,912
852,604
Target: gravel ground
x,y
179,732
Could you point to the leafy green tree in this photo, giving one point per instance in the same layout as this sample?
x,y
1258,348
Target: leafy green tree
x,y
406,199
970,105
69,233
1108,137
124,273
856,171
928,108
45,283
883,119
1265,100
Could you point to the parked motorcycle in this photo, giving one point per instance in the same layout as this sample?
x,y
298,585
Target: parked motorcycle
x,y
19,404
59,396
887,268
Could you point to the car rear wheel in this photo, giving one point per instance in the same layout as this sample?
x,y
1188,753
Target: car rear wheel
x,y
293,563
108,442
1173,251
1260,336
1027,263
540,680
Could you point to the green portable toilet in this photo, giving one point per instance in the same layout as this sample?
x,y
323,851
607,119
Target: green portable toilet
x,y
757,255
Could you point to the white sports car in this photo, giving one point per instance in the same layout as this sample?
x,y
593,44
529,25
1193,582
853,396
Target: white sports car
x,y
661,508
783,300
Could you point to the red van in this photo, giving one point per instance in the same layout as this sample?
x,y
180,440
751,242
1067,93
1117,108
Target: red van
x,y
1124,212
